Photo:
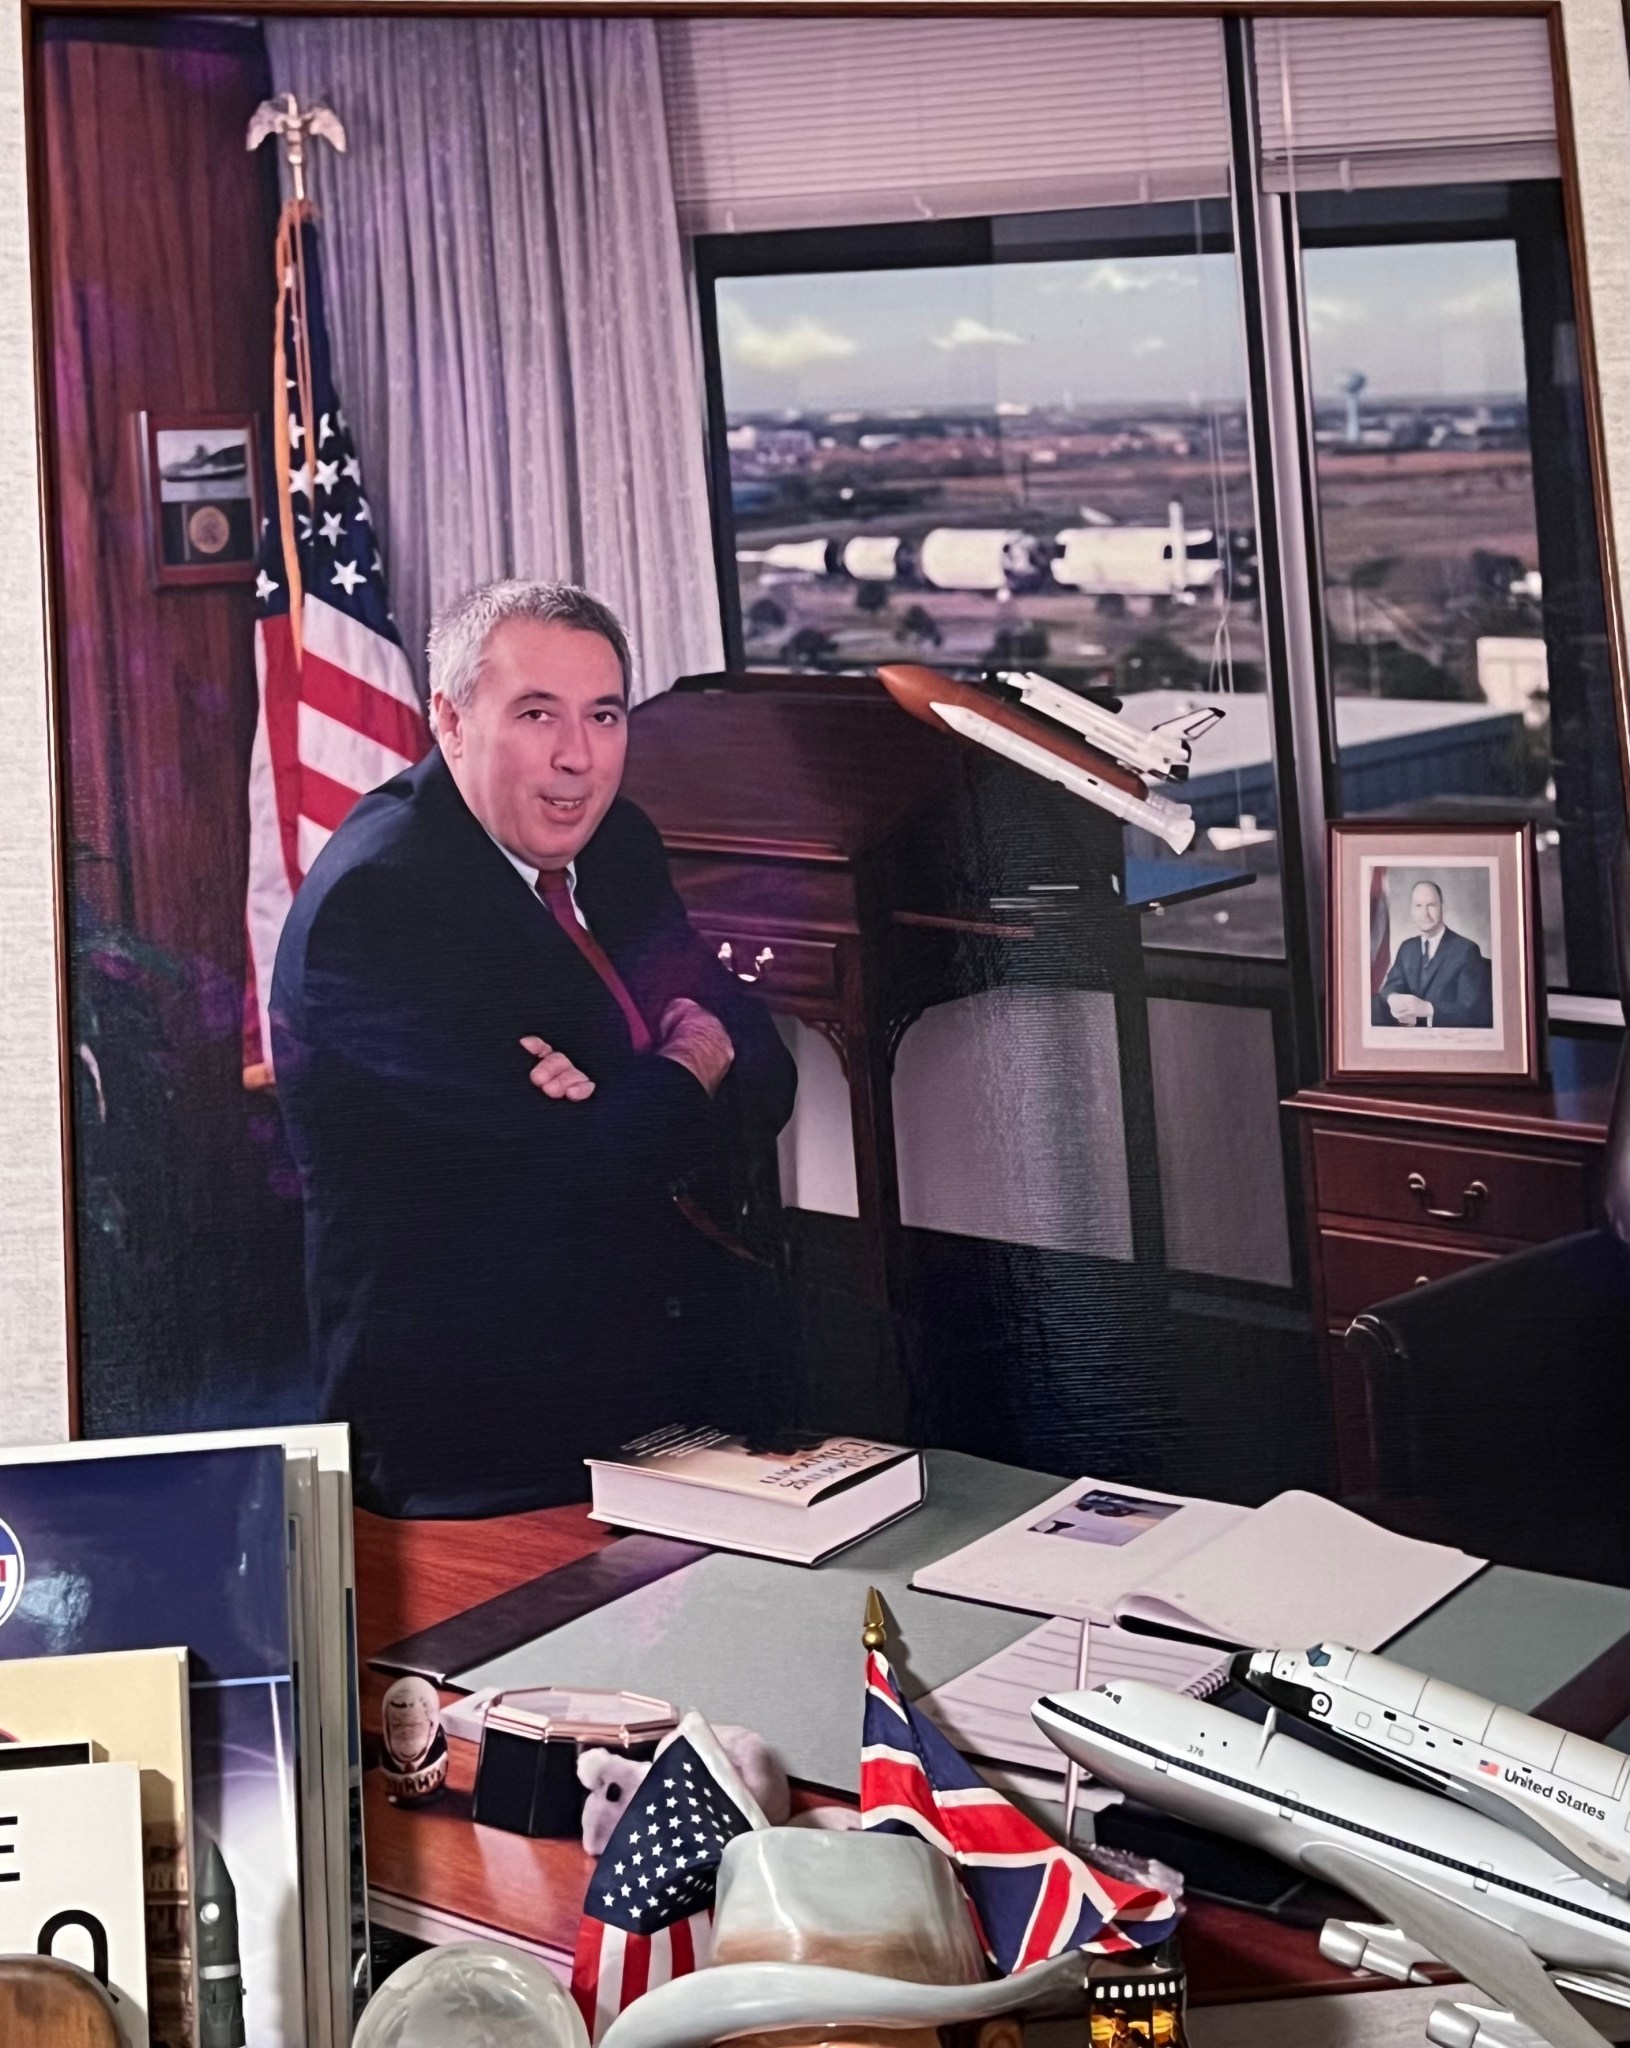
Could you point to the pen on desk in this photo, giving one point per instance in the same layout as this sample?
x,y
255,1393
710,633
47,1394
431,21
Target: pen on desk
x,y
1072,1770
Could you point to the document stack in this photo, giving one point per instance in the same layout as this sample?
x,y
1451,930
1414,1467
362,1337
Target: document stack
x,y
179,1730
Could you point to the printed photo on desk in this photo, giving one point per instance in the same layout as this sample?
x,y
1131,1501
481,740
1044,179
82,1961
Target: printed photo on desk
x,y
744,874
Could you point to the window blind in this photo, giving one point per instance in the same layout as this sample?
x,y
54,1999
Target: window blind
x,y
790,123
1449,100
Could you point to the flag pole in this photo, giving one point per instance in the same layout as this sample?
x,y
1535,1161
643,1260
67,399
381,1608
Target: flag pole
x,y
874,1632
1072,1770
292,125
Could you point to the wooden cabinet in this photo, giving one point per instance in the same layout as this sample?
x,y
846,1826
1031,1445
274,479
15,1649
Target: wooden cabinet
x,y
1408,1185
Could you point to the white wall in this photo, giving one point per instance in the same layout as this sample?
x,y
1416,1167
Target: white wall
x,y
33,1347
33,1343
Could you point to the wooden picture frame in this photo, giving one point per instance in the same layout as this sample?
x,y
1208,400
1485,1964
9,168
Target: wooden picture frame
x,y
201,496
1434,961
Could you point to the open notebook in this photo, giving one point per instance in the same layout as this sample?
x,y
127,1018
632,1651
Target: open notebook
x,y
986,1711
1299,1570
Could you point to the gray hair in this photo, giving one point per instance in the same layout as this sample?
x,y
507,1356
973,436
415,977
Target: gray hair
x,y
460,632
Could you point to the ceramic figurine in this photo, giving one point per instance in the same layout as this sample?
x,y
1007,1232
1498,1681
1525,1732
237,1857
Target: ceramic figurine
x,y
415,1749
863,1936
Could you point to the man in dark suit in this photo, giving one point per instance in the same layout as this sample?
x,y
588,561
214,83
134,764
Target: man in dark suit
x,y
501,1053
1439,979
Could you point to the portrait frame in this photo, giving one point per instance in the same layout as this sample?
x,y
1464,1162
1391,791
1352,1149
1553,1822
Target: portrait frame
x,y
224,506
1485,875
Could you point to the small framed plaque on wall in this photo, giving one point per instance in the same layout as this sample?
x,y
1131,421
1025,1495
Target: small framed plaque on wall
x,y
201,496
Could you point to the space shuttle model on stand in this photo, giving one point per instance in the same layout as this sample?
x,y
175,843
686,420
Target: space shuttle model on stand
x,y
1067,739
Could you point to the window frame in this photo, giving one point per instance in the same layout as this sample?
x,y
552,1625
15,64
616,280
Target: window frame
x,y
1265,232
973,243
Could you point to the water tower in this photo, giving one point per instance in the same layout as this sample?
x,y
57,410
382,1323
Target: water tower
x,y
1351,385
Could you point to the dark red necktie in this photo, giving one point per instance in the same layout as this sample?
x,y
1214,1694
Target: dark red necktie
x,y
556,891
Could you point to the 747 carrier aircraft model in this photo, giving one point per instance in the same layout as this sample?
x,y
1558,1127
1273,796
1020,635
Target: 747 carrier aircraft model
x,y
1500,1903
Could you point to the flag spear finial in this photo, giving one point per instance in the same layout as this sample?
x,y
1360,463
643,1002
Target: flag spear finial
x,y
284,118
874,1631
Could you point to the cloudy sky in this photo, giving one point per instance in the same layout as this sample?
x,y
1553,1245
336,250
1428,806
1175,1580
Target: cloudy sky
x,y
1429,320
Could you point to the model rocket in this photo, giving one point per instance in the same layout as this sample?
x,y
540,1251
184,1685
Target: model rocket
x,y
1051,731
220,1973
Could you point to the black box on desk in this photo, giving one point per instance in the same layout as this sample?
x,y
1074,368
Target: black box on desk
x,y
526,1775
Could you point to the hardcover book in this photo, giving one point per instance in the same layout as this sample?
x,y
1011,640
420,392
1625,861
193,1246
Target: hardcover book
x,y
317,1491
190,1547
799,1505
71,1840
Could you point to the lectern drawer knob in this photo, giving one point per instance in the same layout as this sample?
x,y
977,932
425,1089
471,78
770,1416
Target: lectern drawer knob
x,y
773,964
763,958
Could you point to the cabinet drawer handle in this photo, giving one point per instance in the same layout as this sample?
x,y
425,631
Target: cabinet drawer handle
x,y
1474,1194
762,959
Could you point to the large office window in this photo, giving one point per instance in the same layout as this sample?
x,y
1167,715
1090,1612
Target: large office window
x,y
1462,599
1002,440
1035,457
1464,628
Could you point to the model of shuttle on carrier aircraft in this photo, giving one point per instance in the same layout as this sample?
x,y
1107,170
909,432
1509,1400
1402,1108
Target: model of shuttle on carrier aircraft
x,y
1446,1828
1085,747
1569,1793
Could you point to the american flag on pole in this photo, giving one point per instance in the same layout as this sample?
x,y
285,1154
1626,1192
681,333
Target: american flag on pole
x,y
648,1912
1031,1899
339,712
1380,929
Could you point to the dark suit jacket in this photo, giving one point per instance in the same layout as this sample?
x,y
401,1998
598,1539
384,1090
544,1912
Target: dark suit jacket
x,y
499,1283
1456,981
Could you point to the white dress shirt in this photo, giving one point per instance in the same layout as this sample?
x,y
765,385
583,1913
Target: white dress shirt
x,y
530,877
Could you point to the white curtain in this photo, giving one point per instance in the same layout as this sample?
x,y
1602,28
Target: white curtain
x,y
508,307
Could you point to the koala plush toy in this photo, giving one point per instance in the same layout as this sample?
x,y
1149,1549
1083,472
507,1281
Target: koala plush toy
x,y
611,1781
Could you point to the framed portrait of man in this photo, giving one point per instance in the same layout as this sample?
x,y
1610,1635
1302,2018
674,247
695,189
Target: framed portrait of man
x,y
1434,950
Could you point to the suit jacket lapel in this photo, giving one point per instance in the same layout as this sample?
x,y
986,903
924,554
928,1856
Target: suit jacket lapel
x,y
491,880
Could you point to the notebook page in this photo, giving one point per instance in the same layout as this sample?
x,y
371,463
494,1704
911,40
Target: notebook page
x,y
1302,1570
1080,1551
986,1711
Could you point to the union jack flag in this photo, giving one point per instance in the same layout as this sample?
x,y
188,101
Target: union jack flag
x,y
648,1912
339,711
1031,1899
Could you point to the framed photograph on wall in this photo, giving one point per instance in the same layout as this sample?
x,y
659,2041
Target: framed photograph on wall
x,y
1434,951
201,496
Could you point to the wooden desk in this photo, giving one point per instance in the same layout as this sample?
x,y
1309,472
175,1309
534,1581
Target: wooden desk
x,y
434,1874
1408,1183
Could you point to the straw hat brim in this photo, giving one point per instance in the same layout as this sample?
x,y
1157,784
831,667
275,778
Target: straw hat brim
x,y
750,1998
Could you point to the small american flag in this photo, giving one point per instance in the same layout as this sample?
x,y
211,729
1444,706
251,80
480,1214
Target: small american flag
x,y
1031,1899
339,712
648,1912
1489,1770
